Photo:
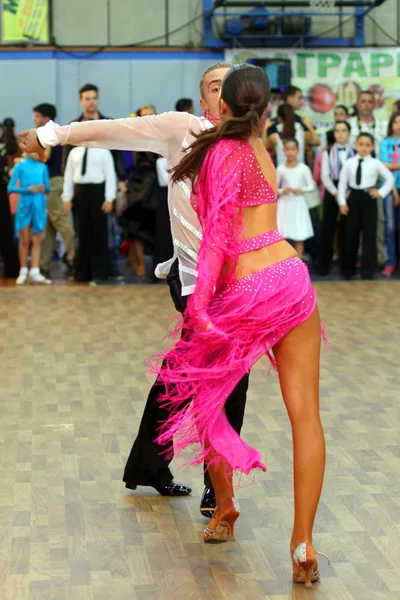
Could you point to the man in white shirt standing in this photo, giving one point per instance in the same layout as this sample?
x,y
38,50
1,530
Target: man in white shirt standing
x,y
366,122
169,135
359,176
90,180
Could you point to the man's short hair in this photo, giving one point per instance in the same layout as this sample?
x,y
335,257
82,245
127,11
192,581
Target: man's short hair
x,y
46,110
88,87
183,104
290,91
214,67
366,92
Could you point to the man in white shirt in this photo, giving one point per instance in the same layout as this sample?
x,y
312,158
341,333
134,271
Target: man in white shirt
x,y
332,163
359,176
366,122
90,180
169,135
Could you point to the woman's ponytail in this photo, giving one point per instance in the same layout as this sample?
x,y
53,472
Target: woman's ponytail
x,y
287,114
239,128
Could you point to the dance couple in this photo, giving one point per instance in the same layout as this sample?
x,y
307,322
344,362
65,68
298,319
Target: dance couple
x,y
252,296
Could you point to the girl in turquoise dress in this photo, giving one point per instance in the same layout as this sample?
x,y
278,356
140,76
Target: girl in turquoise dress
x,y
30,179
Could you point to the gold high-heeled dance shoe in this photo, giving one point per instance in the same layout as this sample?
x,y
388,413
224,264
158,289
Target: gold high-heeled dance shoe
x,y
224,522
305,570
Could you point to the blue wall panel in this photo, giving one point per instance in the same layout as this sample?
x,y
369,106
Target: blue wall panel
x,y
25,84
126,81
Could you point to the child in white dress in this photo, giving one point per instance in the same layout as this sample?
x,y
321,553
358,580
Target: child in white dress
x,y
294,179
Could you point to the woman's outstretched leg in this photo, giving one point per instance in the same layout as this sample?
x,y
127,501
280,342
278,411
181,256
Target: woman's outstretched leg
x,y
298,361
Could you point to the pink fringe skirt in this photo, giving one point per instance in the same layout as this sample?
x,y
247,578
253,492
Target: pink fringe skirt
x,y
249,316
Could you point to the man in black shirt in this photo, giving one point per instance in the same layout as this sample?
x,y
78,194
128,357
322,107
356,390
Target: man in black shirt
x,y
294,96
56,219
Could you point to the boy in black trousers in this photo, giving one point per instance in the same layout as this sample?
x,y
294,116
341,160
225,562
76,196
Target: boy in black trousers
x,y
359,176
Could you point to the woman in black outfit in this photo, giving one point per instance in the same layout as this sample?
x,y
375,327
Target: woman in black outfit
x,y
8,249
139,217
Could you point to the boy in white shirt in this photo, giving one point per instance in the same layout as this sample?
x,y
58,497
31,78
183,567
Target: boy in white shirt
x,y
359,175
332,163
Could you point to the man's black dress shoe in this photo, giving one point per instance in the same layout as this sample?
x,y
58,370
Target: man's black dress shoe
x,y
172,489
207,503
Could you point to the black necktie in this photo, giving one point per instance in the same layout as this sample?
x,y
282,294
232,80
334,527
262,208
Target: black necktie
x,y
359,172
84,162
342,149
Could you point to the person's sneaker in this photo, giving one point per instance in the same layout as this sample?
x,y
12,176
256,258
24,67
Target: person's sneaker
x,y
39,279
387,271
22,277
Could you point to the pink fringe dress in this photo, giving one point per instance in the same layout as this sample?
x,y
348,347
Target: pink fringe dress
x,y
248,315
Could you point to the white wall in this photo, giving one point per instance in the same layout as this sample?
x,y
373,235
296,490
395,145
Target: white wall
x,y
124,85
120,22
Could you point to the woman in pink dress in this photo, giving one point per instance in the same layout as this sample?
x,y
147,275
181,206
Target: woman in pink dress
x,y
253,297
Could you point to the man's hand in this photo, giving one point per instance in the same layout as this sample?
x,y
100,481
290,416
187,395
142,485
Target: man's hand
x,y
344,209
296,191
67,208
373,192
41,188
122,187
107,207
29,143
34,189
396,197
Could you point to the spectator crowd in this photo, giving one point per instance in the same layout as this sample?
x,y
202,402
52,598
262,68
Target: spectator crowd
x,y
338,197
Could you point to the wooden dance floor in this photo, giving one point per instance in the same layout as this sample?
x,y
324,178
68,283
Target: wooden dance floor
x,y
73,386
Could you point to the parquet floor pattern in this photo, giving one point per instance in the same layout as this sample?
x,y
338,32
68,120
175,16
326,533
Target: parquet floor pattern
x,y
72,389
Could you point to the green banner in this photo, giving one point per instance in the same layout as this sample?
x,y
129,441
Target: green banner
x,y
24,21
336,76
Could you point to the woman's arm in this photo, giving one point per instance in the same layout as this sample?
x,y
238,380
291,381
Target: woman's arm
x,y
217,192
271,142
392,166
311,137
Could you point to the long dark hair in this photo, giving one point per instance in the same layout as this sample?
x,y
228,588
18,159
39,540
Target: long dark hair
x,y
10,140
392,120
286,113
246,90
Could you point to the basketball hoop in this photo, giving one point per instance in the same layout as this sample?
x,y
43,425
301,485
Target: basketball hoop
x,y
322,5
